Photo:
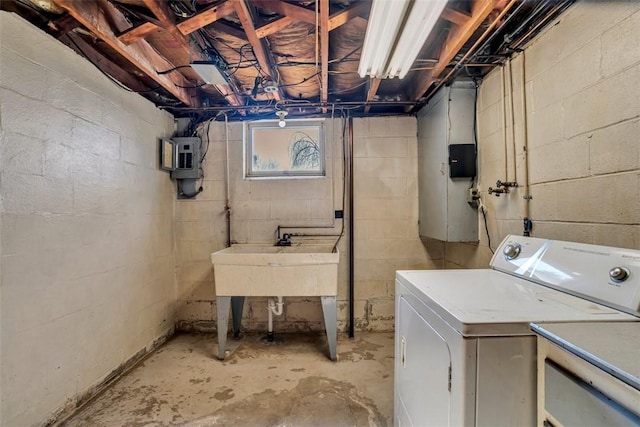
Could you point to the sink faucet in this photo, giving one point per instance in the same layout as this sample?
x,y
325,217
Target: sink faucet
x,y
284,241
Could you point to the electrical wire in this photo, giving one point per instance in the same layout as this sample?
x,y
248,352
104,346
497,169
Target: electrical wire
x,y
483,209
348,89
171,70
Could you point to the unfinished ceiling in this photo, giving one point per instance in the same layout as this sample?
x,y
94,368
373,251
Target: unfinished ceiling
x,y
299,56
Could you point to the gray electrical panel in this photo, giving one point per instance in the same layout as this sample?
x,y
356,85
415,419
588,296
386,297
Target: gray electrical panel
x,y
188,158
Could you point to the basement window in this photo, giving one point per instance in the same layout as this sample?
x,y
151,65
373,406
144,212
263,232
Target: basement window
x,y
296,150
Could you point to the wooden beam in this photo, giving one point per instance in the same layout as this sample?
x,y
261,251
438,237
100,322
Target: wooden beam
x,y
346,15
96,17
374,84
134,34
242,10
292,11
206,17
161,10
273,26
229,29
87,50
63,25
456,40
455,16
324,51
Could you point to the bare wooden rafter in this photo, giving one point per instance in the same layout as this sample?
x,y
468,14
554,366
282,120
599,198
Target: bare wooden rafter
x,y
274,26
324,51
242,10
206,17
161,10
455,16
84,48
458,36
133,34
100,18
346,15
374,84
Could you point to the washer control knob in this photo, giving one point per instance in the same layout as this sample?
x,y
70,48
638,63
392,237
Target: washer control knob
x,y
619,274
511,251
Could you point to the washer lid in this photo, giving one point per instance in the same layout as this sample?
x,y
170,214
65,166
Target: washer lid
x,y
488,302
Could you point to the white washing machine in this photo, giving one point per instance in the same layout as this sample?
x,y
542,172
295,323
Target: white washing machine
x,y
465,354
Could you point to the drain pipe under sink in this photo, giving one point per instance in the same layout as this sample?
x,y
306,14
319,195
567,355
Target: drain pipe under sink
x,y
274,308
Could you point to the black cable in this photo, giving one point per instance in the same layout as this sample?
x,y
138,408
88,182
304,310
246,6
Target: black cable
x,y
348,89
191,87
486,227
344,177
171,70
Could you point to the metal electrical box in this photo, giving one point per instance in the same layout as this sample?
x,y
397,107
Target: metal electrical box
x,y
188,158
462,160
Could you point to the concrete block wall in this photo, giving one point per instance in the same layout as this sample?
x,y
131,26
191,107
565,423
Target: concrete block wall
x,y
87,259
385,187
583,122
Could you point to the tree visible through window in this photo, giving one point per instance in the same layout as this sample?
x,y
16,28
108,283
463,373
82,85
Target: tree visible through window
x,y
296,150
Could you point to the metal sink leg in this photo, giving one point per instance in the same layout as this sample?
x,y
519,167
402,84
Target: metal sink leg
x,y
330,324
223,308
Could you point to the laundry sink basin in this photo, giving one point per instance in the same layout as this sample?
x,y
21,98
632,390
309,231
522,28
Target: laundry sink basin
x,y
266,271
261,270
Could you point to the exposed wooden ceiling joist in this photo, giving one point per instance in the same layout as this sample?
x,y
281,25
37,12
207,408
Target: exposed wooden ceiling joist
x,y
97,18
133,34
346,15
456,40
242,10
161,10
228,29
298,13
206,17
374,84
274,26
455,16
324,50
84,48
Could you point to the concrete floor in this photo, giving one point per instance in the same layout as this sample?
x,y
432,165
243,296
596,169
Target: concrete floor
x,y
287,383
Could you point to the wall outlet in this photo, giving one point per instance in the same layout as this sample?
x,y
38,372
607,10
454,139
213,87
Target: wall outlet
x,y
339,214
472,197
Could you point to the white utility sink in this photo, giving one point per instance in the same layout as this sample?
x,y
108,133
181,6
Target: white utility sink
x,y
260,270
268,271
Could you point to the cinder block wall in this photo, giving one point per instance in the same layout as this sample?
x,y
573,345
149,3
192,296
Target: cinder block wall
x,y
385,189
583,122
87,266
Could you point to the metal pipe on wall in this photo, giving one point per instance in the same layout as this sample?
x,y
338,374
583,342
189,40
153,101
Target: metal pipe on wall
x,y
525,140
513,121
503,96
227,206
351,239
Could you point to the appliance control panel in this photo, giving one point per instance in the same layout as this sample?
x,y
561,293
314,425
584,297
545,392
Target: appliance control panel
x,y
603,274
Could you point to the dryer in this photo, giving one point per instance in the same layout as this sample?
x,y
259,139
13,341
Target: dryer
x,y
465,354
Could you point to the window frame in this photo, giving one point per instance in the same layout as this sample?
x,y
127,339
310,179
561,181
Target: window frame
x,y
248,133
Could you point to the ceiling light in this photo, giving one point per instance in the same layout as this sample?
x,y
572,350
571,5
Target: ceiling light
x,y
270,86
209,72
396,32
281,115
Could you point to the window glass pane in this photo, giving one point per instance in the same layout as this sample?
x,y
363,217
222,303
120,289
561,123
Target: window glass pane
x,y
294,150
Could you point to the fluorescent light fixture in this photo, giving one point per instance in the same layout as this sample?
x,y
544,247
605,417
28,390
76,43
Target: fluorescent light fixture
x,y
396,32
209,72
